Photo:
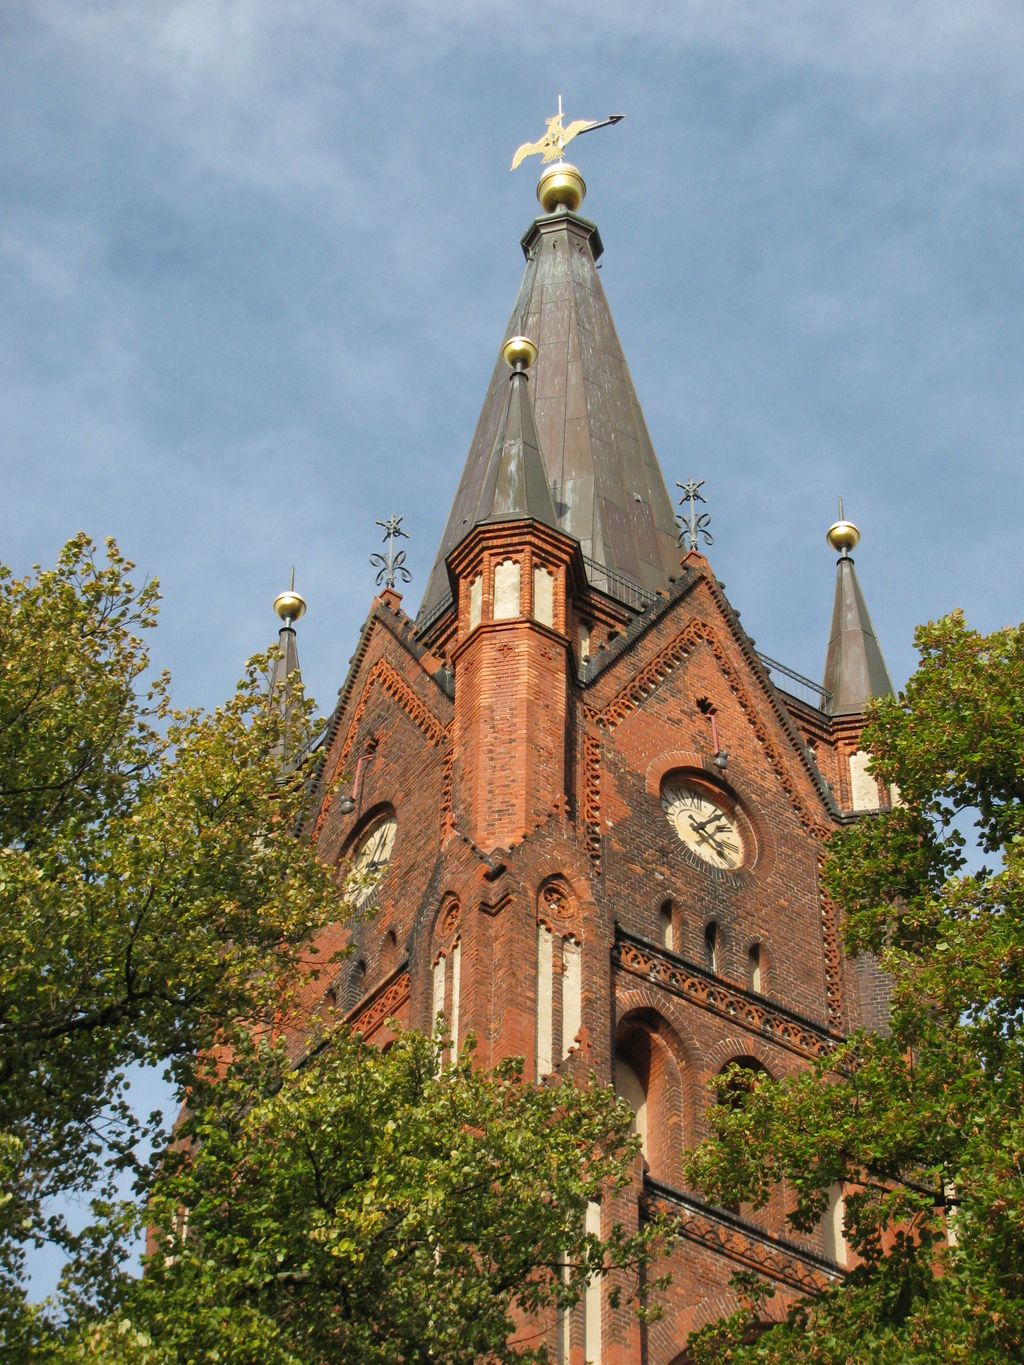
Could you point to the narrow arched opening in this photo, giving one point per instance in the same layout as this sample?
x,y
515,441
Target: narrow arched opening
x,y
755,968
712,946
667,926
355,985
648,1076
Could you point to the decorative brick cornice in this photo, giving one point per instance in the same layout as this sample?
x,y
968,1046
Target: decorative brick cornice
x,y
447,776
833,955
770,1022
386,1000
592,799
739,1241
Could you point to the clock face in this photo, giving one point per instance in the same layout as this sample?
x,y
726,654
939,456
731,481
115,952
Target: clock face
x,y
371,855
704,824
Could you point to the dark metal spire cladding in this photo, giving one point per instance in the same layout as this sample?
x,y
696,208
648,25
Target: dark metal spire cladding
x,y
515,482
854,668
605,482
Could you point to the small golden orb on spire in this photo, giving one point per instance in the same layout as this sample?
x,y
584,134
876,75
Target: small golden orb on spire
x,y
561,186
289,606
843,536
519,353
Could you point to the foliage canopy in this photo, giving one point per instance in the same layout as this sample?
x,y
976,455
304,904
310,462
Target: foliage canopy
x,y
155,910
922,1127
151,894
376,1206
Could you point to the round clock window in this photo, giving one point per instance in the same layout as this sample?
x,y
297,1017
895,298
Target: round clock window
x,y
370,857
706,823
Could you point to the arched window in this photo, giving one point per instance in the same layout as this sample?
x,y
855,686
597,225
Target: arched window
x,y
447,968
666,927
711,946
746,1074
755,965
749,1072
863,786
543,596
388,953
355,984
592,1295
834,1227
559,975
476,601
506,590
559,1005
647,1075
629,1087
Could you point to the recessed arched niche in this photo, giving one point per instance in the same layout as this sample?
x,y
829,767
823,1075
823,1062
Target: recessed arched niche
x,y
647,1074
507,590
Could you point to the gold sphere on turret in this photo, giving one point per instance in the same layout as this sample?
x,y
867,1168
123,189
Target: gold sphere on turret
x,y
843,536
519,353
289,606
561,186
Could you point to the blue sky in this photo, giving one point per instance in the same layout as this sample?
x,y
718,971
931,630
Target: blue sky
x,y
256,260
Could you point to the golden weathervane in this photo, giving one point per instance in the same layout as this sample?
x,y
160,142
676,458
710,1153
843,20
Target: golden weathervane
x,y
556,138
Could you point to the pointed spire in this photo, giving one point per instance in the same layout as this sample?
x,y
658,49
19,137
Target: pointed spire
x,y
515,483
289,606
854,668
606,485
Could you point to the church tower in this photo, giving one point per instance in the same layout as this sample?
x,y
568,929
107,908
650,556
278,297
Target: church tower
x,y
596,812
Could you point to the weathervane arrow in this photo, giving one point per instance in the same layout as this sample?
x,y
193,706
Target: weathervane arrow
x,y
557,137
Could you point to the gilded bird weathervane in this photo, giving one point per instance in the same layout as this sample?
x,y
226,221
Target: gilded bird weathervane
x,y
556,138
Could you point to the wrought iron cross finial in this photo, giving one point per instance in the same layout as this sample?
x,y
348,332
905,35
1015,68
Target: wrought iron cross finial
x,y
694,524
391,565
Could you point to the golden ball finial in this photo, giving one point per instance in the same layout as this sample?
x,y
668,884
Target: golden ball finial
x,y
289,606
843,536
519,353
561,186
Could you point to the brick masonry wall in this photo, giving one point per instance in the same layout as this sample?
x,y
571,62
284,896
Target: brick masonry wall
x,y
532,779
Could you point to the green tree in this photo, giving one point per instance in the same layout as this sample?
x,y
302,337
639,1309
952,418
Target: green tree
x,y
151,893
156,910
923,1126
373,1206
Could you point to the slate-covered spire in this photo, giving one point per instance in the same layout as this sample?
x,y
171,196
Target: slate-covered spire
x,y
854,668
289,606
515,482
605,482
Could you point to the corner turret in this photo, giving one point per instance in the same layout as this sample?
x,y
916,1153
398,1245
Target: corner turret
x,y
515,483
855,671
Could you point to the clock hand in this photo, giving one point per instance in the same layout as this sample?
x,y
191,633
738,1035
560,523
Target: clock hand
x,y
707,838
701,826
723,847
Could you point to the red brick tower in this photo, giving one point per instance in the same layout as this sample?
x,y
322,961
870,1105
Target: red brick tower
x,y
597,812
